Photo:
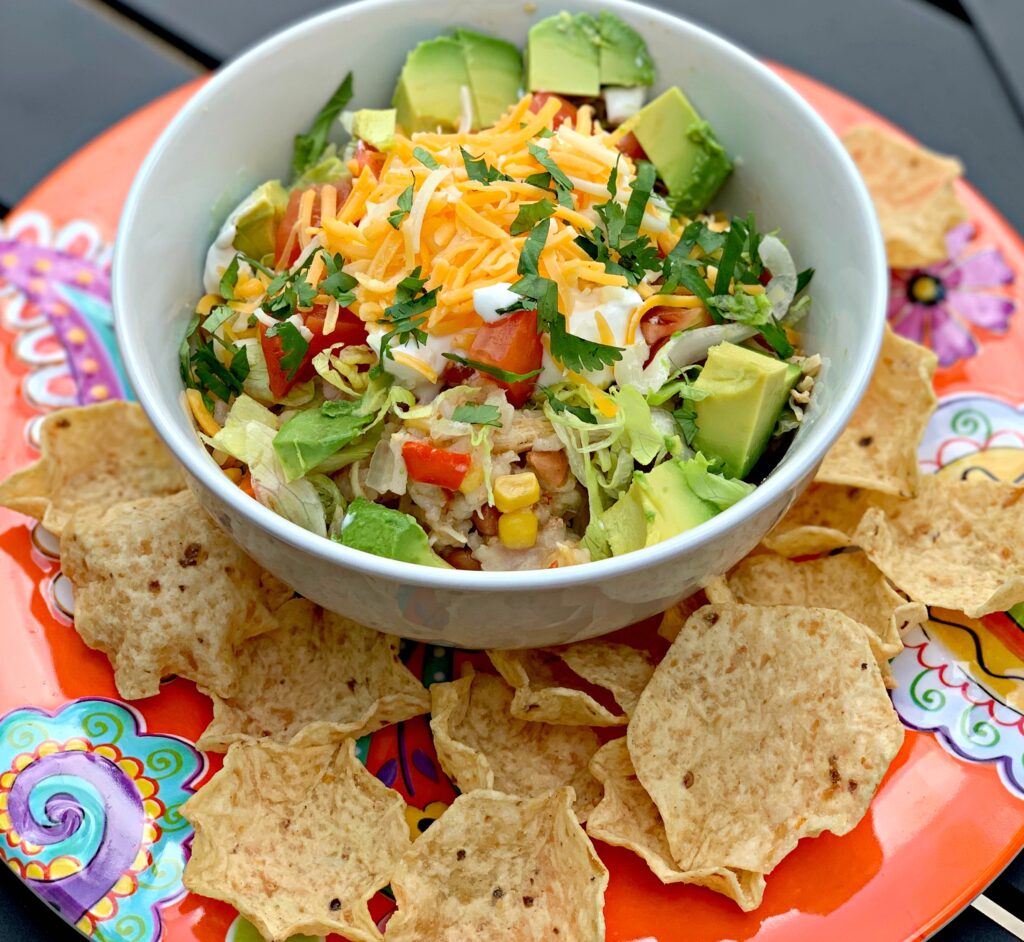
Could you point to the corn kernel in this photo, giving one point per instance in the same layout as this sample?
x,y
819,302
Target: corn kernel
x,y
518,529
516,491
473,479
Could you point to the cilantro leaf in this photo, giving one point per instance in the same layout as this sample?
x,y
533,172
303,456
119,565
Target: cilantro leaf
x,y
638,199
803,279
484,414
310,146
731,251
406,316
479,170
240,365
338,284
574,353
213,376
686,416
411,285
405,198
293,346
217,316
425,157
560,183
529,215
504,375
529,255
229,279
584,415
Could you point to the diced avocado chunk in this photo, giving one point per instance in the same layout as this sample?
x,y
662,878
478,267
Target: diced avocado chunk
x,y
374,528
495,69
623,58
669,504
563,55
376,126
256,227
625,524
683,149
427,96
746,392
329,169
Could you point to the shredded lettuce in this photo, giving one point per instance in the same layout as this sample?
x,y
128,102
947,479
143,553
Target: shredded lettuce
x,y
721,492
645,442
339,366
257,383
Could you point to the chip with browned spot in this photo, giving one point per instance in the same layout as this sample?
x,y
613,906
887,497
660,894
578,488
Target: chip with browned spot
x,y
296,838
501,868
480,744
956,545
913,192
317,678
162,590
626,817
878,449
92,458
566,684
762,726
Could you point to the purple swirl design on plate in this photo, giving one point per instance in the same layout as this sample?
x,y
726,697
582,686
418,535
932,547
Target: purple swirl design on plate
x,y
123,820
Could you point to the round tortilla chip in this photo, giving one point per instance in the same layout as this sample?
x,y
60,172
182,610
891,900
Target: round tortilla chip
x,y
805,682
626,817
92,458
296,838
502,869
481,745
317,678
878,449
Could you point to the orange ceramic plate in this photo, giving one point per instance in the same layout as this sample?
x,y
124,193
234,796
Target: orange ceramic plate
x,y
90,786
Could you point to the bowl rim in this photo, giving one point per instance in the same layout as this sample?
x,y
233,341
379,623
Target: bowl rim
x,y
799,465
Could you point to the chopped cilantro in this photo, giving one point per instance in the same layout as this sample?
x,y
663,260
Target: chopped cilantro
x,y
483,414
338,284
479,170
293,346
804,279
425,157
504,375
309,147
229,279
529,215
529,256
405,198
638,199
557,179
584,415
406,316
574,353
217,316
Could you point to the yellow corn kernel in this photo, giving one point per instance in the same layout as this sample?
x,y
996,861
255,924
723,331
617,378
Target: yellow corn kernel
x,y
473,479
516,491
201,414
234,475
518,529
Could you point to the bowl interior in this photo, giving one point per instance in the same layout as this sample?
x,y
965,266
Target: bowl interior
x,y
791,172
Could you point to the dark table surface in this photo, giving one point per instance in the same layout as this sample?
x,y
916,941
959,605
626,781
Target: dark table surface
x,y
950,73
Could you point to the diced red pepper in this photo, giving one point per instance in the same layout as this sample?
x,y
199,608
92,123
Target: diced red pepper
x,y
511,344
429,464
291,214
566,113
349,330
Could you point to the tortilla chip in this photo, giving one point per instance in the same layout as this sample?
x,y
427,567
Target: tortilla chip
x,y
482,746
675,617
503,869
318,678
803,681
161,590
878,449
626,817
912,189
956,546
848,582
823,518
92,457
296,838
543,691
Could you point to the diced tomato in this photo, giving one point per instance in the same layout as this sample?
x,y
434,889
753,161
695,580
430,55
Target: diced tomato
x,y
367,155
455,374
661,322
630,146
566,113
349,330
429,464
511,344
291,214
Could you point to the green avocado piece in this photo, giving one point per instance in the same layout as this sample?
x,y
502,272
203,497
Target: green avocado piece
x,y
623,59
625,523
670,505
563,55
495,69
746,392
374,528
330,168
256,228
427,96
683,149
313,435
376,126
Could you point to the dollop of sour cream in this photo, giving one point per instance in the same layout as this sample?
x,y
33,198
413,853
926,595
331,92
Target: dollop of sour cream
x,y
222,251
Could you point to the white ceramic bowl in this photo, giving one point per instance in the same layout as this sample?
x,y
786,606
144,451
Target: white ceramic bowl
x,y
237,131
